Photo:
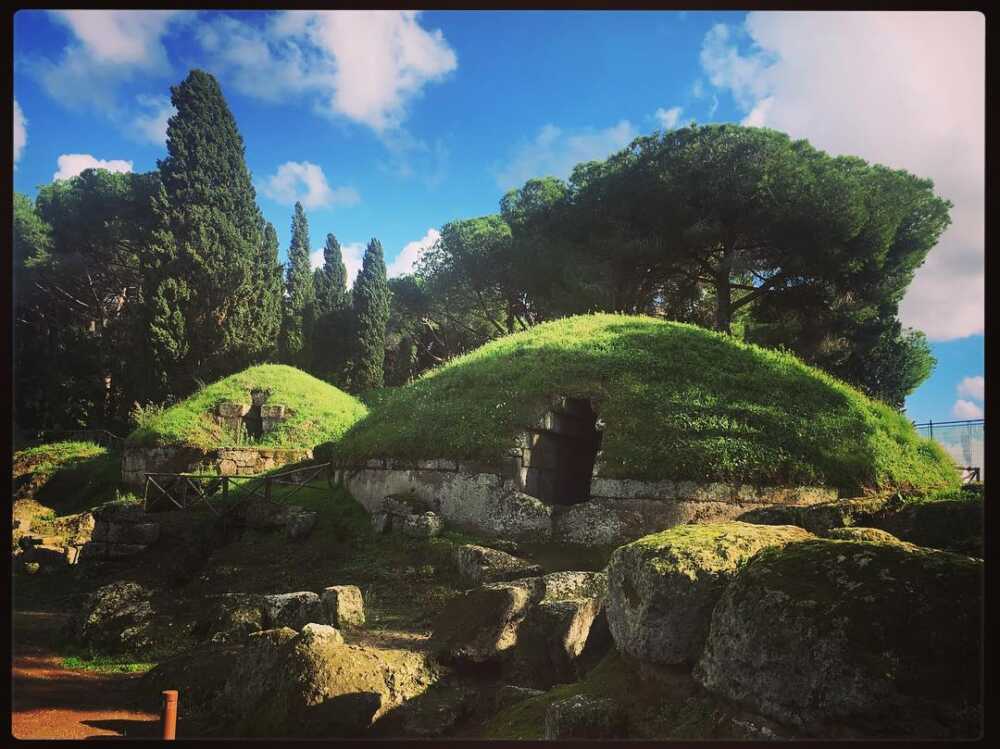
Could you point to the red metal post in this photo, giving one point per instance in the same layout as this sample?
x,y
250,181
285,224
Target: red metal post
x,y
169,715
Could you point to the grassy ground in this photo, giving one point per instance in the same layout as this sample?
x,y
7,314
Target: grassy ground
x,y
315,411
678,401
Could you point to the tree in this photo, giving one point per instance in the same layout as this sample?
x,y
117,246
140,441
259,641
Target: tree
x,y
86,283
371,314
331,333
300,297
206,280
272,284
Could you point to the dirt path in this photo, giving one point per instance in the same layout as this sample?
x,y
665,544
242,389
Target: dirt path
x,y
52,702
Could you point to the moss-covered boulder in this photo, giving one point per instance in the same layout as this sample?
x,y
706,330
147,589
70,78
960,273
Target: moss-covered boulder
x,y
822,517
115,618
883,637
950,524
662,587
311,684
866,535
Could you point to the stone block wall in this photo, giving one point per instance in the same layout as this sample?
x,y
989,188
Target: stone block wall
x,y
119,532
225,461
489,500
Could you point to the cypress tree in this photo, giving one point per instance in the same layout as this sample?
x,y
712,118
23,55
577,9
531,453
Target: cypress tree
x,y
371,314
300,297
272,284
331,333
331,280
206,271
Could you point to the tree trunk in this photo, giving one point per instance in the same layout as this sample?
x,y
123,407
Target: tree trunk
x,y
724,292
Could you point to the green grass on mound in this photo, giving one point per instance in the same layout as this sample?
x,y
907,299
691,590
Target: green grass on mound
x,y
315,411
67,477
679,402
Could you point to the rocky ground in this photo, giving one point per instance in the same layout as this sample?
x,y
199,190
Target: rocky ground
x,y
279,621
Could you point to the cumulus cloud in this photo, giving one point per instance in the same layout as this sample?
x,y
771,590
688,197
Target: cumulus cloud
x,y
973,387
353,254
365,66
964,409
554,152
150,125
304,182
668,118
20,131
71,164
898,88
109,48
407,259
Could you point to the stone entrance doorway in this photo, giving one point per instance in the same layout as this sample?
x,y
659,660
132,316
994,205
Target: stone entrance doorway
x,y
558,465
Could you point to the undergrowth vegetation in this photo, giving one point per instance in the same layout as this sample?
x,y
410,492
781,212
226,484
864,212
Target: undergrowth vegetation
x,y
677,401
314,411
66,477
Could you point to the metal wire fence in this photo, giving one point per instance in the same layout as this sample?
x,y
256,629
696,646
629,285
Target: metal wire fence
x,y
964,441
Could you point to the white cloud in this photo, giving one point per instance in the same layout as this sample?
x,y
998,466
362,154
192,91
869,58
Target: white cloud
x,y
354,255
973,387
71,164
20,131
363,65
316,259
668,118
964,409
554,152
905,89
151,124
305,182
408,257
110,47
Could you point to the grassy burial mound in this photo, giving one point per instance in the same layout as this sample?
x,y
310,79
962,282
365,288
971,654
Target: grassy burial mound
x,y
673,401
313,412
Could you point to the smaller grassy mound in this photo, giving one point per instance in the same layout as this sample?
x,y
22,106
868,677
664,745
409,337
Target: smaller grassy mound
x,y
66,477
678,402
315,412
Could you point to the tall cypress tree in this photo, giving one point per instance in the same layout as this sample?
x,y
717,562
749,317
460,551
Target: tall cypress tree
x,y
300,297
330,281
331,333
206,271
371,314
272,285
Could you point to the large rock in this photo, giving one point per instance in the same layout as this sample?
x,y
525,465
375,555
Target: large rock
x,y
820,518
662,588
293,610
425,525
479,564
949,524
343,606
869,535
534,627
312,685
115,618
585,717
883,636
232,617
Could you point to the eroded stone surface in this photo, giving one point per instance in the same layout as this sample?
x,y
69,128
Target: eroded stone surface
x,y
585,717
293,610
343,606
881,635
479,564
662,588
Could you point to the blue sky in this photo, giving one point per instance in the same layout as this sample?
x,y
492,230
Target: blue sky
x,y
390,124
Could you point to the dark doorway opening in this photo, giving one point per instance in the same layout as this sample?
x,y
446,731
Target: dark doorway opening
x,y
253,422
558,465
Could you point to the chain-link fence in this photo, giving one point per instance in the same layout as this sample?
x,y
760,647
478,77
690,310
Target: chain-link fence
x,y
963,440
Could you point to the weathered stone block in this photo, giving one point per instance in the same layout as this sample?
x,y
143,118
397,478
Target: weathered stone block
x,y
293,610
343,606
479,564
381,522
231,409
299,523
427,525
272,411
662,588
313,632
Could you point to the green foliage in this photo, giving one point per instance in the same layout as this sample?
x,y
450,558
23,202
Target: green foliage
x,y
300,297
212,260
315,411
106,664
371,314
69,476
678,402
